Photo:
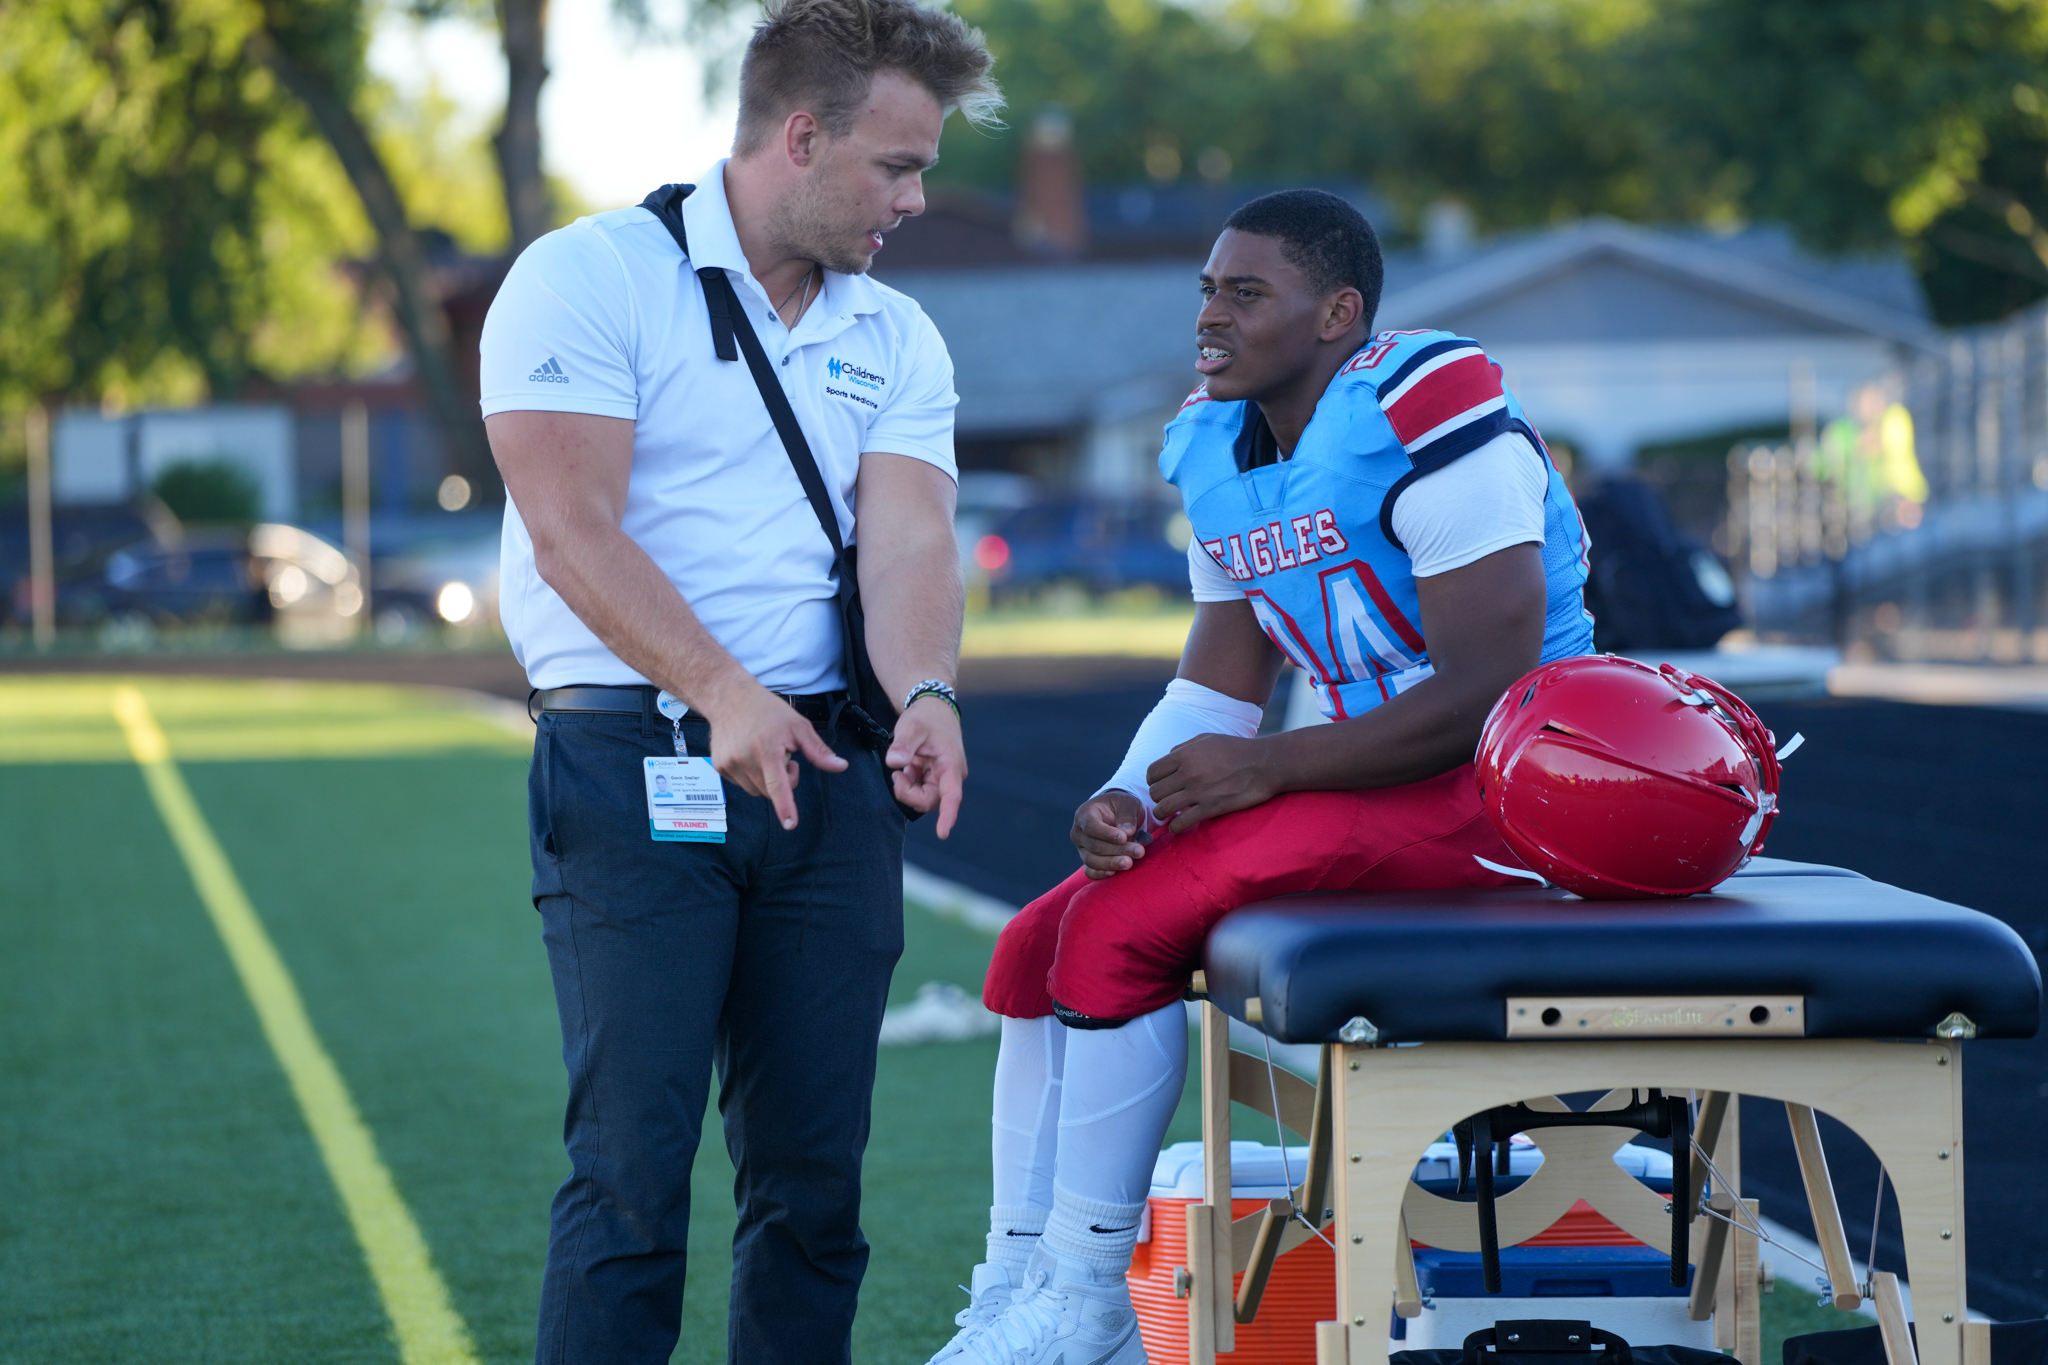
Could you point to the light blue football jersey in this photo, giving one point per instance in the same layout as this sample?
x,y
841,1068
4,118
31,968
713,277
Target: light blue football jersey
x,y
1311,539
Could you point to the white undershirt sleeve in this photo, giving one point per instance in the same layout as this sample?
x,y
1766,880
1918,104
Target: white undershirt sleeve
x,y
1188,709
1207,579
1473,506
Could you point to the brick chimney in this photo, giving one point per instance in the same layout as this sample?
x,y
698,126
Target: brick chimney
x,y
1051,220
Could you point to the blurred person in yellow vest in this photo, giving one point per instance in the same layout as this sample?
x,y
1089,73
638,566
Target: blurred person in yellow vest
x,y
1869,454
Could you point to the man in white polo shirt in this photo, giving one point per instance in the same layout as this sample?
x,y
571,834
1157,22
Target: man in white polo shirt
x,y
670,588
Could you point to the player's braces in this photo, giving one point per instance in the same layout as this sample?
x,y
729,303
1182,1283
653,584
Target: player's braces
x,y
1294,1213
1463,1134
1744,1222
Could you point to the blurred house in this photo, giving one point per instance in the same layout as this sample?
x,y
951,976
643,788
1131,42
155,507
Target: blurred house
x,y
1069,311
1616,336
98,460
410,468
1065,373
288,440
1072,344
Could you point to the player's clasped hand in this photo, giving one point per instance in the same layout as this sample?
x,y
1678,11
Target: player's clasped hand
x,y
1109,830
1208,776
753,742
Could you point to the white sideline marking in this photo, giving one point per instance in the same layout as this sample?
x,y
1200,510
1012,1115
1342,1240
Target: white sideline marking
x,y
942,1013
950,900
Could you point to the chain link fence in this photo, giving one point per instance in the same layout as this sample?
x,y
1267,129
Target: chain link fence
x,y
1915,524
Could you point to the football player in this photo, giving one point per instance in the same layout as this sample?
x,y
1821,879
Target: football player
x,y
1376,510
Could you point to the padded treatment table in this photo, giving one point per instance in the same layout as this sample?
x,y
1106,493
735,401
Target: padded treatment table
x,y
1808,985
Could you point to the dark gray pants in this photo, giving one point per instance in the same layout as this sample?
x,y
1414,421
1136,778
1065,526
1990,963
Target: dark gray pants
x,y
767,956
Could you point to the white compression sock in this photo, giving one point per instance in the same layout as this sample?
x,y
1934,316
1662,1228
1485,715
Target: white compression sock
x,y
1098,1233
1121,1087
1024,1137
1119,1093
1013,1234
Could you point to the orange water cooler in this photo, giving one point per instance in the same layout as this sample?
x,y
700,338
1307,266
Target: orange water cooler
x,y
1582,1253
1303,1287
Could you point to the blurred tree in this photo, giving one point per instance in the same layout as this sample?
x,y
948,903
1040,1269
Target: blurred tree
x,y
208,491
181,216
315,49
534,201
522,33
1861,124
523,24
443,164
1529,111
1864,123
171,223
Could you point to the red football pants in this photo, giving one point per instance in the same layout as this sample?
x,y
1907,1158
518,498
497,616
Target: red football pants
x,y
1124,946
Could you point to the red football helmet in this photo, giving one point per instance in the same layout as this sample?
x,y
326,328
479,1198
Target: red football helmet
x,y
1615,779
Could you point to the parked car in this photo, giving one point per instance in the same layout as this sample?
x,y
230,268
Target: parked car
x,y
435,584
985,498
1101,544
81,540
269,573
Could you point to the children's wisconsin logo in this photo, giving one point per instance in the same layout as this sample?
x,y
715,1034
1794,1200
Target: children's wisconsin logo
x,y
849,373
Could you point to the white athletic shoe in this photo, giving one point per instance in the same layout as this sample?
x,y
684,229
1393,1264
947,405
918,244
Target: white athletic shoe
x,y
1065,1314
989,1295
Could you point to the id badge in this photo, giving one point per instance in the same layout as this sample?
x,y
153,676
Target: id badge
x,y
685,800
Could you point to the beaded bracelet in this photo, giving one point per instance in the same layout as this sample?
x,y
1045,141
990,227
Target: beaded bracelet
x,y
933,687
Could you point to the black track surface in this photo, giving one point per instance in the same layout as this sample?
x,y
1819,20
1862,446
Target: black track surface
x,y
1949,801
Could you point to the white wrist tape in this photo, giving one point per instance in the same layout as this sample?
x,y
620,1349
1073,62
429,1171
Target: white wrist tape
x,y
1188,709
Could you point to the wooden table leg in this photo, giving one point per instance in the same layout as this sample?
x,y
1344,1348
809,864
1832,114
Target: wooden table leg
x,y
1904,1099
1212,1323
1747,1285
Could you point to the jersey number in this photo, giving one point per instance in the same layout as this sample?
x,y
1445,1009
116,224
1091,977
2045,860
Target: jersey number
x,y
1366,635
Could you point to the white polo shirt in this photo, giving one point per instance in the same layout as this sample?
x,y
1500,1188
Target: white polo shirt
x,y
606,317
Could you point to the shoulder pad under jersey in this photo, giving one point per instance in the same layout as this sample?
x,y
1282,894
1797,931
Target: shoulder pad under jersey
x,y
1196,410
1441,393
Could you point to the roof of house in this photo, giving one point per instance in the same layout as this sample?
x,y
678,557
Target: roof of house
x,y
963,229
1602,280
1046,349
1041,348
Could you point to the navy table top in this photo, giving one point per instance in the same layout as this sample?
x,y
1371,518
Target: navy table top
x,y
1871,960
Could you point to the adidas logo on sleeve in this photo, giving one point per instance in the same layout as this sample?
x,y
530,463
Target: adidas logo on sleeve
x,y
550,373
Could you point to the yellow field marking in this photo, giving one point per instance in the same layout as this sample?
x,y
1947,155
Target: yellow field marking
x,y
1152,636
63,719
429,1330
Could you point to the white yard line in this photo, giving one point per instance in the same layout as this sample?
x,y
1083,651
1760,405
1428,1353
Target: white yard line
x,y
950,900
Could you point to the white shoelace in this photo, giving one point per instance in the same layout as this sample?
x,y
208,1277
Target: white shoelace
x,y
981,1308
1031,1319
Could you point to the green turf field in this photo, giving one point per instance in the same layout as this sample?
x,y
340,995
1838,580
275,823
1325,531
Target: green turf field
x,y
167,1201
165,1198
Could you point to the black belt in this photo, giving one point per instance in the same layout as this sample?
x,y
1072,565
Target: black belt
x,y
815,707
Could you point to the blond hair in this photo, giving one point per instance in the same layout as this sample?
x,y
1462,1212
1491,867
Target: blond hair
x,y
821,56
